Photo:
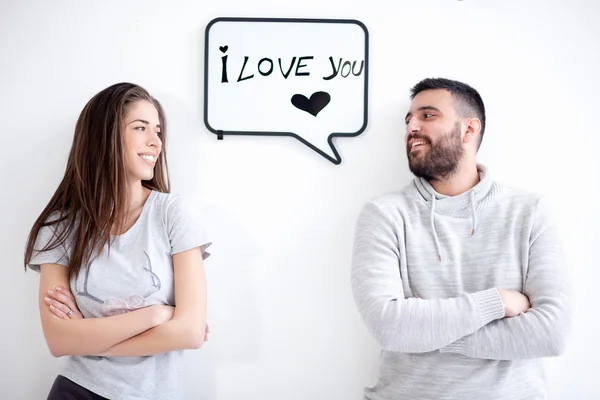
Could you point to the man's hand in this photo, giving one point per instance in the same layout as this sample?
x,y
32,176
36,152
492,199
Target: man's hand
x,y
515,303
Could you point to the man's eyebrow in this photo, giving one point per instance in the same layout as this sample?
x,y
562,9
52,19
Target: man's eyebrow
x,y
424,108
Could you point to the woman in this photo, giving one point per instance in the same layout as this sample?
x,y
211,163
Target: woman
x,y
127,249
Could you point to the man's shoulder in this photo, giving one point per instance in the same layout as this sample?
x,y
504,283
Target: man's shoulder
x,y
399,197
515,196
396,202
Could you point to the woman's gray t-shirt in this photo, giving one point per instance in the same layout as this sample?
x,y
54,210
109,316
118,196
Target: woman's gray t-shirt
x,y
137,273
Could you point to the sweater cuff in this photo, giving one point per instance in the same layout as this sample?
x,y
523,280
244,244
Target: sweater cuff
x,y
490,305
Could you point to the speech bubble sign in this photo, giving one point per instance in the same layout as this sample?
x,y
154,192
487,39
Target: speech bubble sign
x,y
303,78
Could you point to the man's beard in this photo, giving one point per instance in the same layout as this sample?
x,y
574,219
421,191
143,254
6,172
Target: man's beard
x,y
441,160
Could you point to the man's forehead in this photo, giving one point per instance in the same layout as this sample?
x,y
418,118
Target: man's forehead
x,y
438,98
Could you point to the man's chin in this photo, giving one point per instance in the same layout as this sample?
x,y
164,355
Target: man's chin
x,y
418,170
415,163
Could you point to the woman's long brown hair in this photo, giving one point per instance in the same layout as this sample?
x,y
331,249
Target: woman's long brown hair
x,y
92,197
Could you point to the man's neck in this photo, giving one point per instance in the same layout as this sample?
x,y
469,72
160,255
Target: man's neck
x,y
465,178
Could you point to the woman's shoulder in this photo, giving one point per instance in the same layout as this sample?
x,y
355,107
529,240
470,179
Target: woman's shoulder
x,y
181,217
162,198
172,206
168,201
56,223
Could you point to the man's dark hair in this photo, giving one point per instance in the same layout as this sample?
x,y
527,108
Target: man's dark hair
x,y
468,104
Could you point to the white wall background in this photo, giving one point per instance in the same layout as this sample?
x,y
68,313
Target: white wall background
x,y
282,217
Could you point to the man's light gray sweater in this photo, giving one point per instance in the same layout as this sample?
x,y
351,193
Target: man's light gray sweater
x,y
425,274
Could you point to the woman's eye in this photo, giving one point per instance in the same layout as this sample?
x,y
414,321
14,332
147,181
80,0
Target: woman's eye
x,y
140,128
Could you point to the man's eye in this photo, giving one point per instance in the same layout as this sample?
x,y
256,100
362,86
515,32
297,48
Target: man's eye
x,y
428,115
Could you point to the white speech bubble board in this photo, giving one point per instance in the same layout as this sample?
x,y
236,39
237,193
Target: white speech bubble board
x,y
304,78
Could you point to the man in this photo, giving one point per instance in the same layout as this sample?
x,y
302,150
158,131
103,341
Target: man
x,y
461,280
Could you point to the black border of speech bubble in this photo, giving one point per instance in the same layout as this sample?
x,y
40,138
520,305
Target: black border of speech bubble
x,y
220,134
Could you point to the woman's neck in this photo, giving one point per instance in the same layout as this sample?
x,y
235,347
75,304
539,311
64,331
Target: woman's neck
x,y
137,198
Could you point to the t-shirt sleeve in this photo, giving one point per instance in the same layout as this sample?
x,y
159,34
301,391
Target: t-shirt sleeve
x,y
56,255
184,227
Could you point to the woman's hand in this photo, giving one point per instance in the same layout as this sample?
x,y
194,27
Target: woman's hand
x,y
62,304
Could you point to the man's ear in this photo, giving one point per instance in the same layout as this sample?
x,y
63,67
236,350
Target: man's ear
x,y
473,128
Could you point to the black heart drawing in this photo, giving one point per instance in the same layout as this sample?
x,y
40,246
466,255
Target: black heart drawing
x,y
314,105
223,48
